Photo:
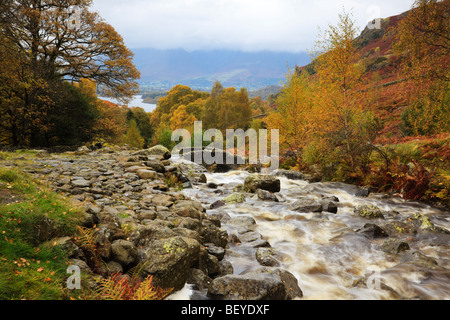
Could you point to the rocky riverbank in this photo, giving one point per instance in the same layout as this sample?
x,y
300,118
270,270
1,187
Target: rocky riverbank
x,y
139,217
164,218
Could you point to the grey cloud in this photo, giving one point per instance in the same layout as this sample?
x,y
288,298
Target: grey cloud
x,y
251,25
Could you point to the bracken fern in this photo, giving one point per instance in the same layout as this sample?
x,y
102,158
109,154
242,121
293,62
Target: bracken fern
x,y
123,287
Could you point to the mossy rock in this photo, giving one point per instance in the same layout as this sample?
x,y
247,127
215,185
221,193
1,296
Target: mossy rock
x,y
169,261
235,198
369,212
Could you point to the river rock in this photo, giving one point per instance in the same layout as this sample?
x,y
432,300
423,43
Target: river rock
x,y
199,279
266,196
395,246
156,166
398,227
329,206
169,261
253,239
264,284
147,174
363,192
417,257
189,208
267,257
210,233
235,197
373,231
145,234
217,204
423,223
242,222
164,200
216,251
264,182
158,150
124,252
81,183
289,174
307,205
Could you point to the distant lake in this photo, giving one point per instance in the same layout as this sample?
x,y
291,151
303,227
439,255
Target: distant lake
x,y
135,102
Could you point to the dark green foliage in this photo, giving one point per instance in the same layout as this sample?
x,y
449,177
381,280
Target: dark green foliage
x,y
72,118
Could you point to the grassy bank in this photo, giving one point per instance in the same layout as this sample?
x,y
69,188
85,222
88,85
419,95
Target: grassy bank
x,y
31,218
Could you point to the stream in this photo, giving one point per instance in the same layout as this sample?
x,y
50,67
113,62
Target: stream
x,y
324,251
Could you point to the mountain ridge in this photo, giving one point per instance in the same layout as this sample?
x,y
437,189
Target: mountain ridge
x,y
163,69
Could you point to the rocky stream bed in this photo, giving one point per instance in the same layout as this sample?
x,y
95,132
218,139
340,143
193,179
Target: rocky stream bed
x,y
246,236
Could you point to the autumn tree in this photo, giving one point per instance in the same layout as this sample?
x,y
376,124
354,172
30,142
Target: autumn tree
x,y
227,108
321,116
182,120
294,115
143,123
65,38
344,129
50,42
133,137
111,122
424,42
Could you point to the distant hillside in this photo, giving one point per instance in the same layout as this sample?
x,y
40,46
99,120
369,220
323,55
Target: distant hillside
x,y
264,93
163,69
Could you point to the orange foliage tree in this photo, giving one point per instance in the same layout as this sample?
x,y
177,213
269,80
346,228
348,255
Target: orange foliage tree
x,y
42,49
294,116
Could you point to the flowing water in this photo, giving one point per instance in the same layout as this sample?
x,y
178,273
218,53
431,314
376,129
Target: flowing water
x,y
324,252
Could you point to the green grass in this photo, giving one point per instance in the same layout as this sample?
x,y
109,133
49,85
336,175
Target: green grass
x,y
31,267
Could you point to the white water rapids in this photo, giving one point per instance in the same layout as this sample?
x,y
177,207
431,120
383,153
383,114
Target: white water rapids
x,y
323,251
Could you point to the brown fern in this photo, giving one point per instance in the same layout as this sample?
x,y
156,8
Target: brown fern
x,y
87,242
120,287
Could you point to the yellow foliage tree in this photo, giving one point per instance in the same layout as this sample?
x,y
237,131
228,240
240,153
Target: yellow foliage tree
x,y
294,113
182,120
133,137
338,107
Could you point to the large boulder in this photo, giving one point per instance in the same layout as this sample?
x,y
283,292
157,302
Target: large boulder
x,y
158,150
262,284
264,182
143,235
169,261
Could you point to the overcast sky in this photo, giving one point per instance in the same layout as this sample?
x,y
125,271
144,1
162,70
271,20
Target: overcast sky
x,y
250,25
